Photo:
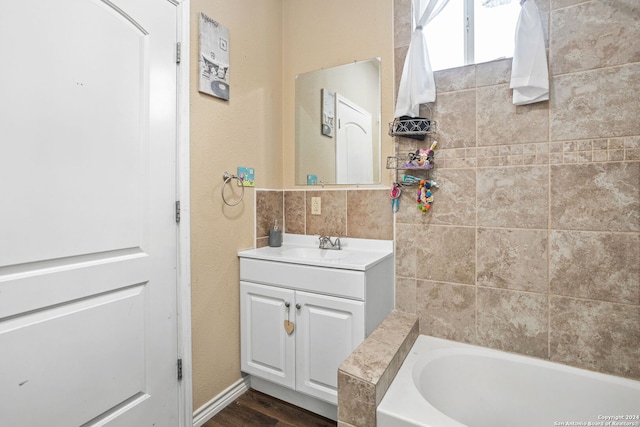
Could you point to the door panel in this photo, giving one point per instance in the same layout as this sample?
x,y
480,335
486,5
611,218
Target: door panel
x,y
354,143
74,337
88,254
329,329
267,351
78,119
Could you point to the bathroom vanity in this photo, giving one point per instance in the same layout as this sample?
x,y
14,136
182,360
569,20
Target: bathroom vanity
x,y
304,310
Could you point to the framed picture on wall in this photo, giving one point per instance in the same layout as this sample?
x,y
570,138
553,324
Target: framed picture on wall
x,y
213,58
328,112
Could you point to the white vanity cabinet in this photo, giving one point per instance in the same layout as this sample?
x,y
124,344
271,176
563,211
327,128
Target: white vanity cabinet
x,y
333,305
326,330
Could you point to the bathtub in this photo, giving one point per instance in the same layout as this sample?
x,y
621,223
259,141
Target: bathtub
x,y
445,383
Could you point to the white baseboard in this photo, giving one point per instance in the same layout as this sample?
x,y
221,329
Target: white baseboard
x,y
218,403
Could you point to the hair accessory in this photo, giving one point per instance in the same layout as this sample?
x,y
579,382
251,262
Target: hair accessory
x,y
395,197
410,178
425,196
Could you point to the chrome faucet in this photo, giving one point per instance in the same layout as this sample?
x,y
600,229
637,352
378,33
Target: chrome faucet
x,y
326,243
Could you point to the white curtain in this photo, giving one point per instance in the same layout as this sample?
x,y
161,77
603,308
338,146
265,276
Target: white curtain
x,y
529,72
417,85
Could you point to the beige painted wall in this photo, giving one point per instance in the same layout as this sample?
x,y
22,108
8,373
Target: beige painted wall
x,y
245,131
270,42
322,34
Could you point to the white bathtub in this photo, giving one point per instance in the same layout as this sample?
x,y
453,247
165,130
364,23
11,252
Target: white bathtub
x,y
444,383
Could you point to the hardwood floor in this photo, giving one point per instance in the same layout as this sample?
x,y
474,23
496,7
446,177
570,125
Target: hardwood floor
x,y
255,409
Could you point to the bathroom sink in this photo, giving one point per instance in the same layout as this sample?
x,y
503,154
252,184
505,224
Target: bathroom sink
x,y
356,254
315,253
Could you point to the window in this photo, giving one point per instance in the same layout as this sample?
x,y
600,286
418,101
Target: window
x,y
466,32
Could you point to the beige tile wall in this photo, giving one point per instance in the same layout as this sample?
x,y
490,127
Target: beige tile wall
x,y
358,213
533,241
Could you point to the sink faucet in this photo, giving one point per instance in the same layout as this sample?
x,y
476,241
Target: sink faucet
x,y
326,243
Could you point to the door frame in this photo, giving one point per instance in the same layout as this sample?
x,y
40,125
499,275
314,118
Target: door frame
x,y
183,303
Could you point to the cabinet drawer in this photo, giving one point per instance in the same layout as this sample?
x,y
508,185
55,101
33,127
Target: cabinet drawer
x,y
328,281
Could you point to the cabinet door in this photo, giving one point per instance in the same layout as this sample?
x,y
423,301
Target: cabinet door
x,y
328,330
267,351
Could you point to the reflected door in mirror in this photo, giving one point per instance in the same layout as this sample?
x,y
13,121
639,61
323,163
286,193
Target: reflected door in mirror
x,y
317,148
354,143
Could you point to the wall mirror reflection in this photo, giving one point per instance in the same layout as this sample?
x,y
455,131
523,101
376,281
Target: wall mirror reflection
x,y
338,125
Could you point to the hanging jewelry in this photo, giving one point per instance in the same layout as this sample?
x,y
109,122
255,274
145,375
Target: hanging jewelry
x,y
425,196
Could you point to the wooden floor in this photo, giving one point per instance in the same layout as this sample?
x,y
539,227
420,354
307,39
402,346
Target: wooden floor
x,y
255,409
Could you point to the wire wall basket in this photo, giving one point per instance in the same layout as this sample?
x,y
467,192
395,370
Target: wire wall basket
x,y
412,126
409,161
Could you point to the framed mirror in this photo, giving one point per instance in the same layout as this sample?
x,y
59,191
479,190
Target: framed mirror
x,y
338,125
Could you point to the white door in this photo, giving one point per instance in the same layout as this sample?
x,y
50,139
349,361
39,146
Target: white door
x,y
267,350
354,143
328,330
88,332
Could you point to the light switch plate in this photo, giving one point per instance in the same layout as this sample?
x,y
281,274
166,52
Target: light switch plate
x,y
316,206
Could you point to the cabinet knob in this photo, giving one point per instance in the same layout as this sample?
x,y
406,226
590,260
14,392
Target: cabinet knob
x,y
298,306
286,304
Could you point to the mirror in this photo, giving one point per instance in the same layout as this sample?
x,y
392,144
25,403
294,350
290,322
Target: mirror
x,y
338,125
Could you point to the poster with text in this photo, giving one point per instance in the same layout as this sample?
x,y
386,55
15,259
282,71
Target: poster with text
x,y
214,58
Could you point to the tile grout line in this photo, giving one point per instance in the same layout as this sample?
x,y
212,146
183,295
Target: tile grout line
x,y
475,274
549,223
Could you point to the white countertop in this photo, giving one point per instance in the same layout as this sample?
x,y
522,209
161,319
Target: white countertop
x,y
356,254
